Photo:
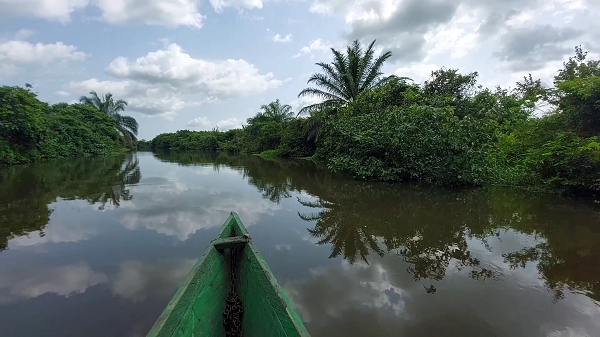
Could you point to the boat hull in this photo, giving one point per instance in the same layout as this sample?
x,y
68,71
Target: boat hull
x,y
197,307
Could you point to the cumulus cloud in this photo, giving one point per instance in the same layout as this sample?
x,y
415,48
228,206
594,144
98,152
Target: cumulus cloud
x,y
304,101
168,80
219,5
23,34
531,48
279,38
199,122
204,123
17,53
25,52
170,13
154,12
229,123
503,37
57,10
418,72
314,45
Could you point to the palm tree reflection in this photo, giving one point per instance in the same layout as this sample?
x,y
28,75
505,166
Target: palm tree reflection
x,y
26,191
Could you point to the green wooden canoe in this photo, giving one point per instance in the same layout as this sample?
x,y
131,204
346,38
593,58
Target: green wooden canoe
x,y
197,307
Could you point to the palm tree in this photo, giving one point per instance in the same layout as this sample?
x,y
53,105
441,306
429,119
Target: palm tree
x,y
126,125
277,112
342,80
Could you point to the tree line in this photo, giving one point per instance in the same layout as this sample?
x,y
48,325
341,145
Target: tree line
x,y
31,129
449,130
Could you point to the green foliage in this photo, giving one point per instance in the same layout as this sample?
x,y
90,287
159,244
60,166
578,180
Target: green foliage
x,y
270,154
350,74
75,130
449,131
539,156
144,145
187,140
416,142
32,130
22,125
126,126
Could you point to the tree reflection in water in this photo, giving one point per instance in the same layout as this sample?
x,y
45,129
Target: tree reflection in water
x,y
430,228
26,191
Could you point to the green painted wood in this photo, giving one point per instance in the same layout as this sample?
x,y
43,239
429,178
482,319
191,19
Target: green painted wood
x,y
234,241
196,308
267,310
199,301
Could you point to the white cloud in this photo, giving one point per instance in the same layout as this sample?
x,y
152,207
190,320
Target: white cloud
x,y
317,44
15,52
168,80
63,281
204,123
314,45
58,10
219,5
301,102
199,122
23,34
418,72
497,38
154,12
279,38
169,13
229,123
220,79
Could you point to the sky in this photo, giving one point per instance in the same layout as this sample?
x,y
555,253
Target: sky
x,y
198,64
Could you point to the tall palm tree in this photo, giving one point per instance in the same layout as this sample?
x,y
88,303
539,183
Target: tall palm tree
x,y
277,112
126,125
342,80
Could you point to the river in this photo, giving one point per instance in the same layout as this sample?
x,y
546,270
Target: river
x,y
97,247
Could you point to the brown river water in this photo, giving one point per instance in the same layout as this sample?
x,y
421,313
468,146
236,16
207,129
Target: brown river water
x,y
97,247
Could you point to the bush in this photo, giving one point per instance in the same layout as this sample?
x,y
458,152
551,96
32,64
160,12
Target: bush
x,y
32,130
417,142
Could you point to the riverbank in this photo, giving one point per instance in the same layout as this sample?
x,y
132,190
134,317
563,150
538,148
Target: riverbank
x,y
447,131
32,130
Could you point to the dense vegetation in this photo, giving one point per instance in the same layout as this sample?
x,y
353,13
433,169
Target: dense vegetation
x,y
448,130
32,130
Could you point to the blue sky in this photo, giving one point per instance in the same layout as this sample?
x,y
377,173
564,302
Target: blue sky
x,y
196,64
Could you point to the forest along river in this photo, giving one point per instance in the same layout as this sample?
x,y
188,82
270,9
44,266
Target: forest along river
x,y
97,247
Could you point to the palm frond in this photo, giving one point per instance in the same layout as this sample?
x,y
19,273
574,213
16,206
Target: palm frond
x,y
342,80
375,71
320,106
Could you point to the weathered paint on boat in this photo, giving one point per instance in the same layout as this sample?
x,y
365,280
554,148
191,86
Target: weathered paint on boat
x,y
197,307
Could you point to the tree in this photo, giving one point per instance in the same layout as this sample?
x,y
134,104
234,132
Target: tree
x,y
577,94
277,112
342,80
126,125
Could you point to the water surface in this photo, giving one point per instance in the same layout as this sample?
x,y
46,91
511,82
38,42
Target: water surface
x,y
97,247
